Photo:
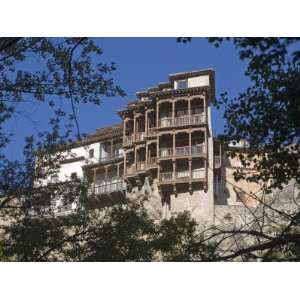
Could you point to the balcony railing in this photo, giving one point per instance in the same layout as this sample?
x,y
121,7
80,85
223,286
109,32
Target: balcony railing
x,y
166,176
141,166
128,141
198,174
111,158
110,187
130,170
182,121
183,174
166,152
152,161
198,119
182,151
198,149
185,120
166,122
53,210
139,136
151,132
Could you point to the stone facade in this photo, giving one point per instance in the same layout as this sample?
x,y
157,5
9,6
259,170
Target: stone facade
x,y
164,154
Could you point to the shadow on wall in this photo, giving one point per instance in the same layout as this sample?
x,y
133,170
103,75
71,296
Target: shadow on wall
x,y
222,193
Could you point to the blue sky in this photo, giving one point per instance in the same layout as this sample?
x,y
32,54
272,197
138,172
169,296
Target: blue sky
x,y
142,63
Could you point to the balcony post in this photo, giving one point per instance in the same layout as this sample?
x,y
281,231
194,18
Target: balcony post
x,y
157,114
125,163
189,107
190,142
111,148
174,144
146,154
205,108
206,143
158,172
173,112
146,122
135,158
174,169
106,172
190,168
134,126
124,131
157,146
220,154
118,170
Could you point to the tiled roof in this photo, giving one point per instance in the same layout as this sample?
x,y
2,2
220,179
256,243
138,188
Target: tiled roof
x,y
106,133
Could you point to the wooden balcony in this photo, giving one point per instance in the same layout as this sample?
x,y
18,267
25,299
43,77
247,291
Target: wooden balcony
x,y
110,187
198,149
151,132
140,166
152,162
165,123
182,176
166,177
182,121
199,174
194,150
139,137
108,159
131,170
128,141
183,151
185,120
165,152
53,210
198,119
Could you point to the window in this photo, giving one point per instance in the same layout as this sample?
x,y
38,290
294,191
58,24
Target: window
x,y
54,178
91,153
73,175
182,84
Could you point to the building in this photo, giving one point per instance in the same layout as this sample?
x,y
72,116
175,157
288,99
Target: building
x,y
163,153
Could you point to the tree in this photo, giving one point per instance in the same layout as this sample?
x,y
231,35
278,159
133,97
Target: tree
x,y
266,116
68,69
48,71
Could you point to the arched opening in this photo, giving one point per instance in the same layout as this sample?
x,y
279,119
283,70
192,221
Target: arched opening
x,y
181,113
198,142
166,145
182,144
128,124
198,168
141,159
166,171
151,123
152,155
140,128
130,166
165,115
197,111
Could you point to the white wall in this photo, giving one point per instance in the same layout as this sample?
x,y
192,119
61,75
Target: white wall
x,y
195,81
66,169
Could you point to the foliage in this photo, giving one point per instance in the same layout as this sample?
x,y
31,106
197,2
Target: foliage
x,y
267,117
51,71
123,232
266,114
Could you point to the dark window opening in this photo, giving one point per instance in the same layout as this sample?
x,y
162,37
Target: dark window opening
x,y
91,153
